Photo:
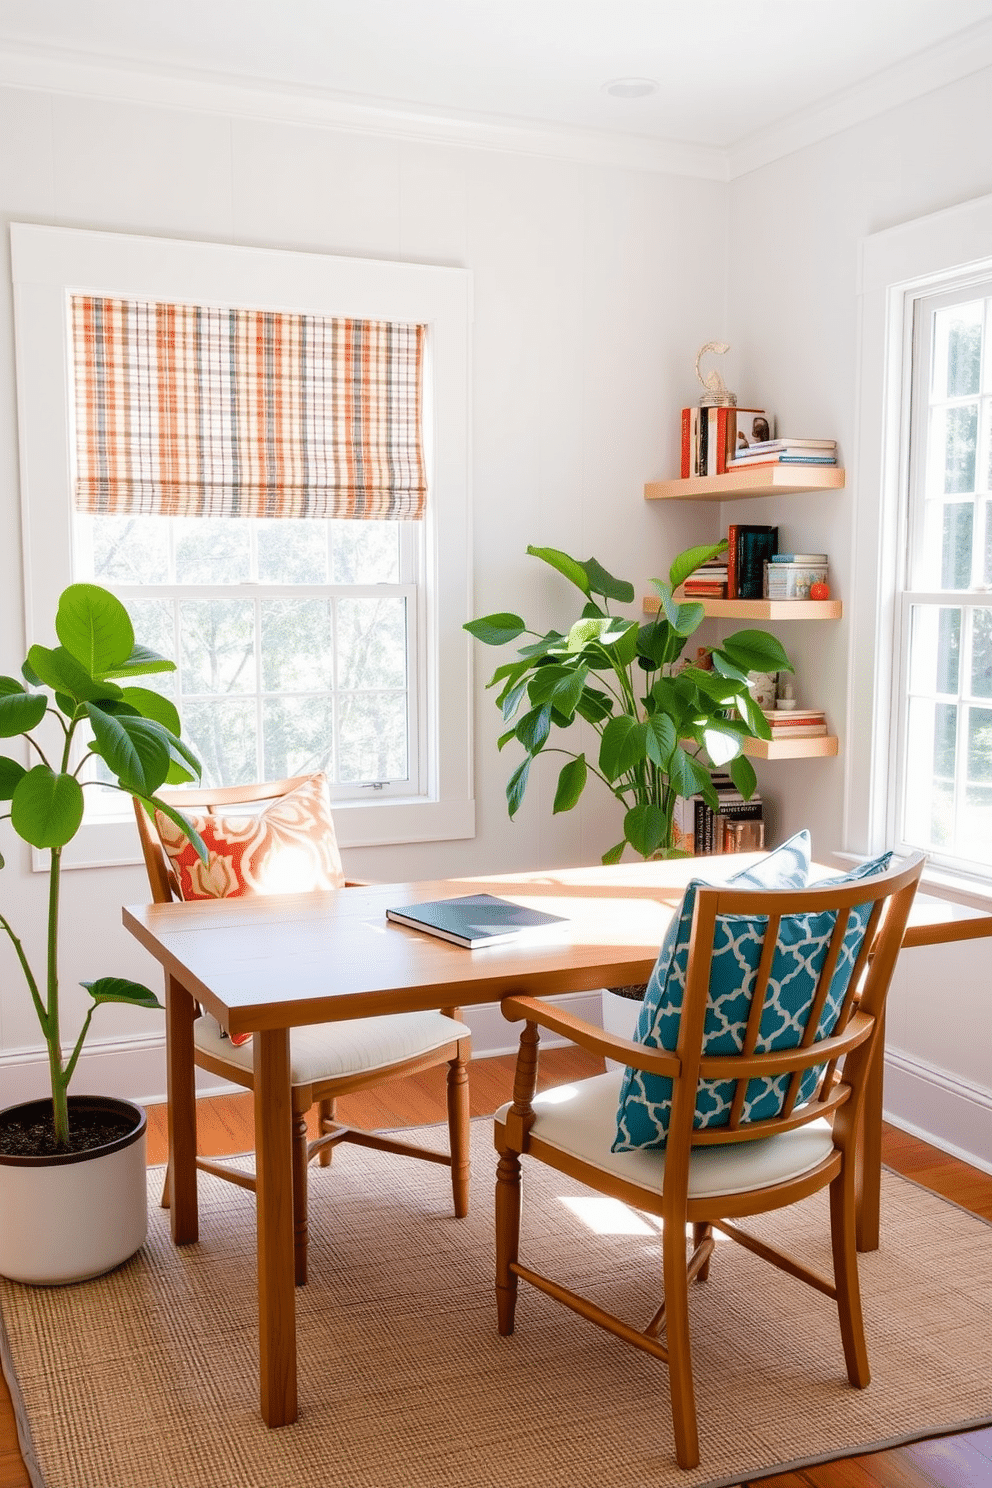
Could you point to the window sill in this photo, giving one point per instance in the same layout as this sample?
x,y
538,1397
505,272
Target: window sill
x,y
960,888
357,824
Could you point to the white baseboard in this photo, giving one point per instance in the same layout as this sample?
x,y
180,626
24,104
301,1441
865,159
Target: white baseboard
x,y
134,1068
939,1107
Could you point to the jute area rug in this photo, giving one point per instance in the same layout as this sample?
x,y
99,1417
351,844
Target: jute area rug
x,y
148,1377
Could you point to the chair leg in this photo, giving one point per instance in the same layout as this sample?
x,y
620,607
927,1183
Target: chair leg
x,y
300,1235
701,1232
507,1237
459,1133
843,1235
325,1124
679,1352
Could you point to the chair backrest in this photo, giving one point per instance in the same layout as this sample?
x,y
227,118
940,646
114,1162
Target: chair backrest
x,y
837,913
161,877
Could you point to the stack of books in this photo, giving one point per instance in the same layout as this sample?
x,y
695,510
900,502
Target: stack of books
x,y
796,723
749,547
708,582
786,452
738,826
712,436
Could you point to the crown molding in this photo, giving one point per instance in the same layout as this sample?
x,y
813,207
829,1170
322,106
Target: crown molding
x,y
967,52
214,93
121,80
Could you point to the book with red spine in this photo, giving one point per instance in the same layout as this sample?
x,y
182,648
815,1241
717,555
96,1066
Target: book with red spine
x,y
686,466
732,561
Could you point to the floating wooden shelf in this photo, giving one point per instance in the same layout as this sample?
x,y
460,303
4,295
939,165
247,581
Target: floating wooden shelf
x,y
770,480
757,609
778,749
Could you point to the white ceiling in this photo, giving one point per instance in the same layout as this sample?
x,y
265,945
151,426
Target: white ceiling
x,y
727,70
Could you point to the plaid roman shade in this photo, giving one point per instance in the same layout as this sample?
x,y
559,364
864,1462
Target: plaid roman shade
x,y
190,410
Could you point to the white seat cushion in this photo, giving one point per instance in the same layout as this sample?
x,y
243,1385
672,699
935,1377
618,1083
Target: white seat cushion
x,y
580,1119
324,1051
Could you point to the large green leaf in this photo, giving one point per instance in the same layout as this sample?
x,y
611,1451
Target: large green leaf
x,y
534,727
136,749
601,582
119,989
686,776
571,568
46,809
510,701
743,776
687,562
571,783
20,712
653,641
645,828
614,737
726,667
515,787
142,662
153,705
59,669
605,631
634,749
721,745
756,651
11,774
496,630
752,714
95,628
615,853
661,738
568,692
594,705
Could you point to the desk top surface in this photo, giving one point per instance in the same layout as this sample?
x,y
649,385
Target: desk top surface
x,y
277,960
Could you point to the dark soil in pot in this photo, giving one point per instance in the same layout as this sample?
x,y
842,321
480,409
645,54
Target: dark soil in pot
x,y
633,991
27,1131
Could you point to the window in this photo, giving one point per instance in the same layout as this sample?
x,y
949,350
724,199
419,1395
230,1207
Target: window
x,y
919,738
942,799
302,642
296,641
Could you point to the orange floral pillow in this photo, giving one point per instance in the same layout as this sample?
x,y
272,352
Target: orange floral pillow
x,y
289,848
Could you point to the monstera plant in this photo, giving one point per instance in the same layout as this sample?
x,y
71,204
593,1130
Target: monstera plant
x,y
663,725
83,687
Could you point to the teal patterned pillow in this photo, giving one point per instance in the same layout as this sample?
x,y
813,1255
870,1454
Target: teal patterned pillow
x,y
803,940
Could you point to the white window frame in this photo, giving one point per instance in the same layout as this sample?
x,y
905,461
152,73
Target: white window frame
x,y
49,263
949,249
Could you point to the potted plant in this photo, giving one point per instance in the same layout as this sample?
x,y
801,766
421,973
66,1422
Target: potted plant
x,y
664,725
72,1168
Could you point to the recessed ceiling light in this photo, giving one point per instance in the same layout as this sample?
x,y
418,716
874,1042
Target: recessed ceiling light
x,y
630,87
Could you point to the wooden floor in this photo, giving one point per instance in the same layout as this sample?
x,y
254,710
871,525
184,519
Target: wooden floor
x,y
225,1125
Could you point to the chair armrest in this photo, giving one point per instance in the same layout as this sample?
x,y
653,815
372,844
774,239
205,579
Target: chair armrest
x,y
587,1036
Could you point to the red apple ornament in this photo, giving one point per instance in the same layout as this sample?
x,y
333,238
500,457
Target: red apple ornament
x,y
819,591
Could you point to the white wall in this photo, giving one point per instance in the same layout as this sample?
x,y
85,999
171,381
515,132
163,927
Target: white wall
x,y
594,287
795,227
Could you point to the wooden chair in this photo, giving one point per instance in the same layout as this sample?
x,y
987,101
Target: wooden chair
x,y
371,1044
699,1178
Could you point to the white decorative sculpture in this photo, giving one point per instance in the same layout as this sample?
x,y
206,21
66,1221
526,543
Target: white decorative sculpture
x,y
717,394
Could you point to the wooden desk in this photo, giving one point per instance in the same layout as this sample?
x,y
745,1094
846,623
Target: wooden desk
x,y
268,964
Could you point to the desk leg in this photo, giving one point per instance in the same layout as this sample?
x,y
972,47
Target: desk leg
x,y
274,1204
868,1172
180,1012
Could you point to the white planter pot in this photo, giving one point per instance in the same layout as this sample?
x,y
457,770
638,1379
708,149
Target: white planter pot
x,y
74,1215
620,1015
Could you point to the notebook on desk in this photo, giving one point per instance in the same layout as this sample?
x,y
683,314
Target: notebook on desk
x,y
473,919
